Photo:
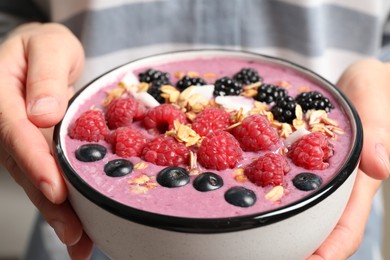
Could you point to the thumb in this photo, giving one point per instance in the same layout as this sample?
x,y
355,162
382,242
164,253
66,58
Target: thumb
x,y
366,85
55,59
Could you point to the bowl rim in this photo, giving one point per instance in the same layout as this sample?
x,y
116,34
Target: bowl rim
x,y
214,225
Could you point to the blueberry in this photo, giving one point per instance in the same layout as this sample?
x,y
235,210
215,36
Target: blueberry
x,y
90,152
240,196
207,181
307,181
118,168
173,177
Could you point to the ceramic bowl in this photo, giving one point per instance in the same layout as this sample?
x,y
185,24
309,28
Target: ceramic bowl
x,y
290,232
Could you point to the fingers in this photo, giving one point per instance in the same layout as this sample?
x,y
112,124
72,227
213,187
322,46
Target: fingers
x,y
55,59
25,148
60,216
81,250
37,64
347,235
22,142
366,84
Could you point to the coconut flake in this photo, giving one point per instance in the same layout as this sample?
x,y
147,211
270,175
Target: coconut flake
x,y
205,91
146,99
295,136
130,79
235,103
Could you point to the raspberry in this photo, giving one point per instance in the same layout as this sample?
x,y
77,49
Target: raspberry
x,y
127,141
166,151
268,169
255,133
161,118
90,126
122,111
311,151
219,150
211,119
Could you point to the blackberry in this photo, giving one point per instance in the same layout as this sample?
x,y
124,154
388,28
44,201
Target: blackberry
x,y
313,100
155,90
151,75
269,93
247,76
227,87
284,109
187,81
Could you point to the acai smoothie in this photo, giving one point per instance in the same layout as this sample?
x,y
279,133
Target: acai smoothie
x,y
208,137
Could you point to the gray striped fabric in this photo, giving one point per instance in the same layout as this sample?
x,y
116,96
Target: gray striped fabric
x,y
245,23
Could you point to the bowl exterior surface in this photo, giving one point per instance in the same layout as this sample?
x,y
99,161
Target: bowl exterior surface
x,y
293,237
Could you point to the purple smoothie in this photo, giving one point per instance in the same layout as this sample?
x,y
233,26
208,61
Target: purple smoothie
x,y
186,201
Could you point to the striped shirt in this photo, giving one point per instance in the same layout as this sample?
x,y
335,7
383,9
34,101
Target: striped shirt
x,y
324,35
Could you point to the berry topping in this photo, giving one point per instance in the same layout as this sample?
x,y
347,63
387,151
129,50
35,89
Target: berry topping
x,y
268,169
269,93
161,118
151,75
187,81
313,100
207,181
127,141
211,119
91,152
173,177
311,151
240,197
219,150
118,168
247,76
166,151
122,111
307,181
155,90
90,126
255,133
227,87
284,109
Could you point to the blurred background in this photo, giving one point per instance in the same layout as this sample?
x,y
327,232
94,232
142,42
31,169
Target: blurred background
x,y
17,216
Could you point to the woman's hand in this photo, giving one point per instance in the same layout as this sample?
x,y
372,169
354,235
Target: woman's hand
x,y
38,64
367,84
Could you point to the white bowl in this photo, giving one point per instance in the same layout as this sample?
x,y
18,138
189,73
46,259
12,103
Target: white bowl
x,y
291,232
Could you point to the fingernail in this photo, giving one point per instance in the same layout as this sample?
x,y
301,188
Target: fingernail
x,y
47,190
383,156
59,228
43,106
